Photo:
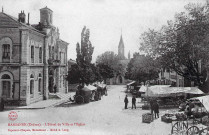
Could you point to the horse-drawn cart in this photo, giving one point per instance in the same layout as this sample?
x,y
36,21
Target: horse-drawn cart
x,y
85,94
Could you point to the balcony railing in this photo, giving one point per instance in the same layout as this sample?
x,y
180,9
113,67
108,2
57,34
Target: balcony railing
x,y
53,62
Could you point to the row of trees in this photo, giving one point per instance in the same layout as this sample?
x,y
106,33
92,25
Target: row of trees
x,y
182,45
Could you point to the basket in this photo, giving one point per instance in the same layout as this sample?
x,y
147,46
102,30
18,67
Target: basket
x,y
147,118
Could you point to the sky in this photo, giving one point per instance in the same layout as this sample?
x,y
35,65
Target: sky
x,y
106,19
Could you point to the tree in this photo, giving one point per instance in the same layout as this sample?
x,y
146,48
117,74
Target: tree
x,y
74,74
182,44
84,58
108,58
142,68
105,71
111,60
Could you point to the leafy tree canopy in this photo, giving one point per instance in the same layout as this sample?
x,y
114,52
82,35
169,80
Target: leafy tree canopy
x,y
182,44
142,68
84,72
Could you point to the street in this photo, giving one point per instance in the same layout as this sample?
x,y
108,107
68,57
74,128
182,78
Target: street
x,y
104,117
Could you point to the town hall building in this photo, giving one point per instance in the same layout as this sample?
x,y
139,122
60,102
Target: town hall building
x,y
33,58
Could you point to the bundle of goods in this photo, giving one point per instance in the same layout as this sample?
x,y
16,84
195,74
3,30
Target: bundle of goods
x,y
168,118
205,120
147,118
181,116
145,107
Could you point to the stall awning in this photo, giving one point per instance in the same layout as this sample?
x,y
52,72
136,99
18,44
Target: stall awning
x,y
143,88
205,101
157,91
89,88
100,84
131,83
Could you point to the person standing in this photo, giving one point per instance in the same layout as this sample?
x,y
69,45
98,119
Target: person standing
x,y
188,110
156,109
126,102
55,88
133,102
151,106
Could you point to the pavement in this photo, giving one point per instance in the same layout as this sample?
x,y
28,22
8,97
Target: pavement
x,y
104,117
61,98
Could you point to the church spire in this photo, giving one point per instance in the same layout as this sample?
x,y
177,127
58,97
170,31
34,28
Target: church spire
x,y
121,48
2,9
121,44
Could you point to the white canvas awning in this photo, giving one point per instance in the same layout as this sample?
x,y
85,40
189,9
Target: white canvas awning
x,y
143,88
89,88
205,101
163,91
131,83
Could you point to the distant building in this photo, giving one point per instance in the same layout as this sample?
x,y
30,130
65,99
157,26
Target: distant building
x,y
169,77
71,63
33,58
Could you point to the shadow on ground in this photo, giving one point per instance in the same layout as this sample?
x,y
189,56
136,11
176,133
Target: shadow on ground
x,y
70,104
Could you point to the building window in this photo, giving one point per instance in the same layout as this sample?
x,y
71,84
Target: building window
x,y
31,84
64,58
6,51
60,56
32,54
63,80
60,81
40,55
5,76
52,52
49,51
39,83
6,85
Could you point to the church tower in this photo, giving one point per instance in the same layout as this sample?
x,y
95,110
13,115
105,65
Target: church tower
x,y
121,48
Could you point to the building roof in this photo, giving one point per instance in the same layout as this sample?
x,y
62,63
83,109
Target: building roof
x,y
10,21
63,42
46,8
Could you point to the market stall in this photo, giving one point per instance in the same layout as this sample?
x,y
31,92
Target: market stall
x,y
142,90
102,88
168,97
131,86
193,125
85,94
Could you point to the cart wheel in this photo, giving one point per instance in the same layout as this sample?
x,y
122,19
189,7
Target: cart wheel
x,y
179,127
86,99
193,130
79,99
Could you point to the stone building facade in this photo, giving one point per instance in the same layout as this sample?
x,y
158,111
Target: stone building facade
x,y
33,59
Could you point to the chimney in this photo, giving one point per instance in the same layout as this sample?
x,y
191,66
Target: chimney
x,y
28,18
21,17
